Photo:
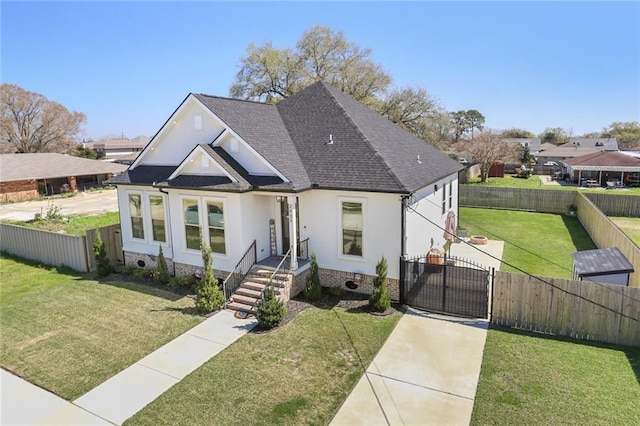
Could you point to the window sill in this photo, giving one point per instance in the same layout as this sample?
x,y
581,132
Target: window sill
x,y
352,258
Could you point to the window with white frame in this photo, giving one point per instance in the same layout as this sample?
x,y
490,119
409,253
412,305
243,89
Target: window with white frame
x,y
191,223
450,194
135,212
352,226
215,217
444,198
156,207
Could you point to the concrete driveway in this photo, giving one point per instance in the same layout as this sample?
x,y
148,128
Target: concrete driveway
x,y
88,203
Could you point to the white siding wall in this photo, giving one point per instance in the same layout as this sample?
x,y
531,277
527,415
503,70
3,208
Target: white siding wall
x,y
428,203
178,139
320,221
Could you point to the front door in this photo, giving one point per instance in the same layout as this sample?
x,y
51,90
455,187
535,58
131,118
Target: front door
x,y
284,222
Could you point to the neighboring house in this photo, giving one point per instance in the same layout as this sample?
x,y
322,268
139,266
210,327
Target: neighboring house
x,y
317,168
533,144
114,148
25,176
603,169
577,147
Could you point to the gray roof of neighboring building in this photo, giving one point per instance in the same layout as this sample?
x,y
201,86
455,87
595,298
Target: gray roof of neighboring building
x,y
368,152
15,167
605,261
533,144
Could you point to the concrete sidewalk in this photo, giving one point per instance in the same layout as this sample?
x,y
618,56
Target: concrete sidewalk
x,y
129,391
425,374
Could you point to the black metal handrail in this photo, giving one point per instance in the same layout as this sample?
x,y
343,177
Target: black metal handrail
x,y
235,277
303,249
270,283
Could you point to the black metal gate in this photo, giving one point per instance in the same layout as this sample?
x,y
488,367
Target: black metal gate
x,y
446,285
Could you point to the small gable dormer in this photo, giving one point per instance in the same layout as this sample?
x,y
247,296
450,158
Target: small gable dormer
x,y
200,163
252,162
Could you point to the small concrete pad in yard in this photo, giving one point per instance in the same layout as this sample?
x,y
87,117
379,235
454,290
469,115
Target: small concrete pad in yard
x,y
182,355
126,393
22,403
426,373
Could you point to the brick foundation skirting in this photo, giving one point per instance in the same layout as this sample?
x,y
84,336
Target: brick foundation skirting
x,y
176,269
333,278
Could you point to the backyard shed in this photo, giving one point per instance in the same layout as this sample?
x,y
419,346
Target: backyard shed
x,y
607,265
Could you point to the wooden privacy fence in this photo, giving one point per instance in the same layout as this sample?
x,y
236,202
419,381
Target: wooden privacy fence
x,y
606,234
605,313
529,199
546,200
56,249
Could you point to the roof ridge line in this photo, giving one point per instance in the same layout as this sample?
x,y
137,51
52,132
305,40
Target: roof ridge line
x,y
364,137
227,98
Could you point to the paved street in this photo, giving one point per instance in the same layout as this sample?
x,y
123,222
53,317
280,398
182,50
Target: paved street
x,y
82,203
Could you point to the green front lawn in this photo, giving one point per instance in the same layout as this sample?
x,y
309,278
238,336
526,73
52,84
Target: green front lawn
x,y
72,224
538,243
529,379
68,333
298,374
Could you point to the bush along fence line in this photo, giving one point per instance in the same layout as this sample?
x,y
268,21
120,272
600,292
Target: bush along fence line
x,y
52,248
592,210
583,310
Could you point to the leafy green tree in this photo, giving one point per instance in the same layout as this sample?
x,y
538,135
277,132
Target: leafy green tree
x,y
379,300
269,74
475,120
162,275
312,288
86,153
554,135
209,296
517,134
270,310
103,264
29,122
626,132
525,155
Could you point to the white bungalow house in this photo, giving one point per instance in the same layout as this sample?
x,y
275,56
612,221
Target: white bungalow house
x,y
317,172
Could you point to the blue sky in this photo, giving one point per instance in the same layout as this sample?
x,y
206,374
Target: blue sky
x,y
128,65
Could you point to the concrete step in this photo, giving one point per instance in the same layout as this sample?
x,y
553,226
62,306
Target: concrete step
x,y
267,273
241,307
247,300
250,285
265,280
248,292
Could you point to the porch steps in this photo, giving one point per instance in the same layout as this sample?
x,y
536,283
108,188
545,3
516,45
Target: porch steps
x,y
246,297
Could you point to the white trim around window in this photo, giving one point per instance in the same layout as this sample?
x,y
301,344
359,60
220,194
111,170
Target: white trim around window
x,y
352,229
198,208
145,223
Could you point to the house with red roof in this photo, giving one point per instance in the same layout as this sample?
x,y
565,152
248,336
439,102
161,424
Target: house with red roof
x,y
604,169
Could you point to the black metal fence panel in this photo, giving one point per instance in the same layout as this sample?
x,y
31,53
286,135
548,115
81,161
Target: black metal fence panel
x,y
446,285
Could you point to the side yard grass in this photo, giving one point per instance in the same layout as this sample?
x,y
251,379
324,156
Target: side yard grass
x,y
538,243
630,226
67,332
531,379
510,181
300,373
72,224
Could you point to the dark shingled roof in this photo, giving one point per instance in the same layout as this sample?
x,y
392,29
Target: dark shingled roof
x,y
605,261
367,153
14,167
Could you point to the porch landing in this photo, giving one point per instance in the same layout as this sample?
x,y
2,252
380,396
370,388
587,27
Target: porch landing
x,y
273,262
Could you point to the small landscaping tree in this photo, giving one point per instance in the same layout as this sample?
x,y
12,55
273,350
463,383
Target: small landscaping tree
x,y
312,288
379,300
104,267
162,271
209,296
271,310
